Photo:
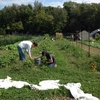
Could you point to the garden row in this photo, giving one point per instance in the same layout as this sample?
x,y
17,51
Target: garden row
x,y
10,39
7,58
95,44
73,65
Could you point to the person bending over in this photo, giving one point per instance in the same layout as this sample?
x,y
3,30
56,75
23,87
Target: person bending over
x,y
25,45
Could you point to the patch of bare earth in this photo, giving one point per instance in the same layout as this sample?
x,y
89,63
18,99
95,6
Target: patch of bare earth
x,y
61,98
90,49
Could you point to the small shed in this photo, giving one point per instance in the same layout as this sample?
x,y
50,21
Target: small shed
x,y
84,35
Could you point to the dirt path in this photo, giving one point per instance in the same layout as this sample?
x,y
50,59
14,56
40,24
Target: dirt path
x,y
4,51
91,50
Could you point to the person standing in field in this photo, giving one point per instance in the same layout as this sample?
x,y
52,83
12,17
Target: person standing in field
x,y
25,45
50,59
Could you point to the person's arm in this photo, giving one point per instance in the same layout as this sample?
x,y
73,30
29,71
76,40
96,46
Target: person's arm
x,y
29,52
30,57
50,60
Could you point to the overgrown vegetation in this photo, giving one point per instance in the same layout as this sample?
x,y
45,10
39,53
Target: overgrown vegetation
x,y
74,65
11,39
94,43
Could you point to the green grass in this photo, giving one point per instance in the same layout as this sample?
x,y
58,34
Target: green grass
x,y
74,65
95,44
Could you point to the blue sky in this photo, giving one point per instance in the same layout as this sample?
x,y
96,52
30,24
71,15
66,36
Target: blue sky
x,y
53,3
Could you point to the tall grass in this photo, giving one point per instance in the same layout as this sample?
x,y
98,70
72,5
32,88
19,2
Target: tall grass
x,y
73,65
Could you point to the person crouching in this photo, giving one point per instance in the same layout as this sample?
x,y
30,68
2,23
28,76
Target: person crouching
x,y
50,59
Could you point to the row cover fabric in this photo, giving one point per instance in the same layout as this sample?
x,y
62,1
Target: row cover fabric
x,y
74,88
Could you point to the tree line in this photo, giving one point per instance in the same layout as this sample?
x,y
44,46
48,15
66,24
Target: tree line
x,y
37,19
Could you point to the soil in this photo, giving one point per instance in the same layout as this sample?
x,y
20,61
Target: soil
x,y
4,51
88,49
63,98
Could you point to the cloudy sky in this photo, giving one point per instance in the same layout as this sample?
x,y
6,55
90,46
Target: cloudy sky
x,y
53,3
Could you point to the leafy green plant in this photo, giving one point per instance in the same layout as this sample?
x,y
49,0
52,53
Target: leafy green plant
x,y
11,39
95,44
96,59
28,63
97,37
73,65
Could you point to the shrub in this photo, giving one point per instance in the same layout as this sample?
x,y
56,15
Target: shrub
x,y
97,37
2,31
96,59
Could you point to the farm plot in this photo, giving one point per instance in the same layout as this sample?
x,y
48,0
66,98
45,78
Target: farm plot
x,y
73,65
93,50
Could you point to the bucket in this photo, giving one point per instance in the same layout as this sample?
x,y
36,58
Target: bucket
x,y
37,61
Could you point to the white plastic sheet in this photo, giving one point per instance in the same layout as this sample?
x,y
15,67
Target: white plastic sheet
x,y
77,93
47,84
7,83
74,88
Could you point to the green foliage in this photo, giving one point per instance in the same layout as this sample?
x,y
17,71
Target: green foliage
x,y
37,39
96,60
43,59
46,36
73,65
71,49
97,37
45,45
2,31
60,19
37,5
11,39
9,47
38,19
95,44
44,23
8,59
28,63
17,26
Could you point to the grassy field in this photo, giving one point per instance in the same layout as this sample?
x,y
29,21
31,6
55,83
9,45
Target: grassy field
x,y
74,66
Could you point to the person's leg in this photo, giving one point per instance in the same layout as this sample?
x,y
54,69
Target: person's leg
x,y
52,65
21,54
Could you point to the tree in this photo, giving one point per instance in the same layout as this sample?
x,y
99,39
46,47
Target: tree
x,y
37,5
73,23
17,26
60,19
43,23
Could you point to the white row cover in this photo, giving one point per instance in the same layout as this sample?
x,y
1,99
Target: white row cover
x,y
74,88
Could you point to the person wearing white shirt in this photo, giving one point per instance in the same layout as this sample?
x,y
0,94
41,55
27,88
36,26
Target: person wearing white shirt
x,y
25,45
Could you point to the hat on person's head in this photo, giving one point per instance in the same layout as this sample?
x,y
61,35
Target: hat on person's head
x,y
43,52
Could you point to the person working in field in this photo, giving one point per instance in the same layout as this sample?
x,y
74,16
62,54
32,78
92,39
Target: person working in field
x,y
50,59
25,45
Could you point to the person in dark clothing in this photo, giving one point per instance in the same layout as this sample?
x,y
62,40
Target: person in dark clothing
x,y
50,59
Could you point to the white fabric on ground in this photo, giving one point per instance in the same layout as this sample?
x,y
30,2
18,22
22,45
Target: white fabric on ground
x,y
20,84
47,84
7,83
77,93
74,88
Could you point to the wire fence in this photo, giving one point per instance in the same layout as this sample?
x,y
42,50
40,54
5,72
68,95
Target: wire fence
x,y
89,49
84,40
